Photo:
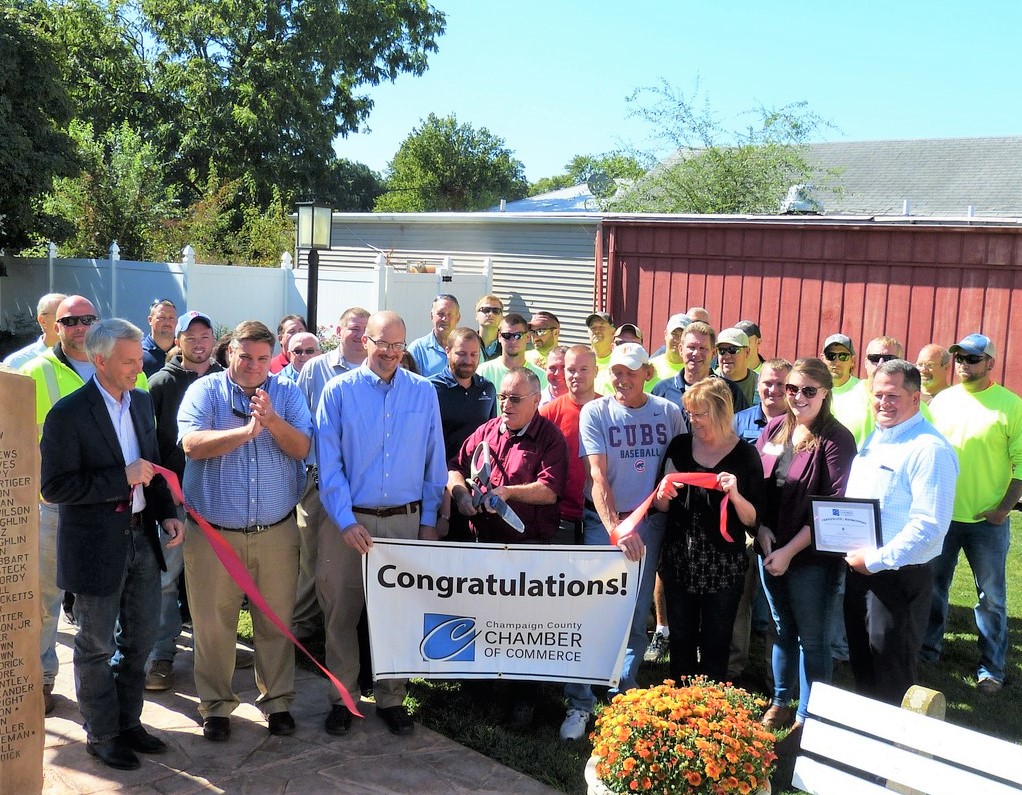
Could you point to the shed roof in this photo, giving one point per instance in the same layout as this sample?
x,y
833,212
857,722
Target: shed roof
x,y
938,176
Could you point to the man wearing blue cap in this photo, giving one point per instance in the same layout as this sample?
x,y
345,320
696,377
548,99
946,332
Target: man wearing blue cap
x,y
983,422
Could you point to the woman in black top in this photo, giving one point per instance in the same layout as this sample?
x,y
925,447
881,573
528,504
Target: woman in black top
x,y
703,572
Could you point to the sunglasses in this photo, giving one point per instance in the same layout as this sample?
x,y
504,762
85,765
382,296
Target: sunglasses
x,y
969,358
73,320
515,399
542,332
490,310
306,351
244,415
397,347
162,302
728,350
831,356
808,391
512,335
877,358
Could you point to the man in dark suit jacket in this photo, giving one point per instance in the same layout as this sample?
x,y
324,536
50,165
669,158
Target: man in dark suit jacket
x,y
98,449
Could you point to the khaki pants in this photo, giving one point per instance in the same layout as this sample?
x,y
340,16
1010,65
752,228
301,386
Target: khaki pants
x,y
312,519
339,587
215,601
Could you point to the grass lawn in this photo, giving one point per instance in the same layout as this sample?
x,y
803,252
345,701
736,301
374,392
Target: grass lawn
x,y
472,714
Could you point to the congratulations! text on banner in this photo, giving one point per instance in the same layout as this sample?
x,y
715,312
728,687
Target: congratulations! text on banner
x,y
486,611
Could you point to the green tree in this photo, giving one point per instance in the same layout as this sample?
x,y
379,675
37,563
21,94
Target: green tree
x,y
616,165
446,166
349,186
34,113
120,194
263,88
718,170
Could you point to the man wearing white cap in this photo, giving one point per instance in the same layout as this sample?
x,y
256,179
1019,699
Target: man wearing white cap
x,y
733,354
669,363
623,438
983,422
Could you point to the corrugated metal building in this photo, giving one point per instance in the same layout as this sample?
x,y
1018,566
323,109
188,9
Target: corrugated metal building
x,y
919,281
540,260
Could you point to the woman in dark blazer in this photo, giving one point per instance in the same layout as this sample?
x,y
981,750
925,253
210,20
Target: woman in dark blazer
x,y
805,453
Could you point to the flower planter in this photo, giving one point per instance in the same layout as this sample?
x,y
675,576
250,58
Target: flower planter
x,y
596,787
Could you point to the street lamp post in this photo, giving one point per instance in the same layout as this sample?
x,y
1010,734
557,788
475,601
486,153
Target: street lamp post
x,y
314,222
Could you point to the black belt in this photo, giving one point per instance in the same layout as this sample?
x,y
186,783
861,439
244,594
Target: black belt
x,y
397,510
592,507
252,528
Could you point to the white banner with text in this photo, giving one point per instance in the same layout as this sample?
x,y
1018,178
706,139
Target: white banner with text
x,y
537,612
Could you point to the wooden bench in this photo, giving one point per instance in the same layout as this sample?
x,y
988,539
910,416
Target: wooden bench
x,y
852,744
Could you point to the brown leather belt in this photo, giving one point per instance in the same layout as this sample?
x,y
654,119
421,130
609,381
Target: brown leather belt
x,y
397,510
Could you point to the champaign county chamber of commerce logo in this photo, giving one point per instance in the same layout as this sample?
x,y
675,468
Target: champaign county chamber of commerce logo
x,y
448,638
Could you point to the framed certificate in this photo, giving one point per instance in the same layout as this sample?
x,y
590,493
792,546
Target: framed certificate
x,y
841,524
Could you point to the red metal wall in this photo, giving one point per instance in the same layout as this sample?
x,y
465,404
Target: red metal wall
x,y
803,280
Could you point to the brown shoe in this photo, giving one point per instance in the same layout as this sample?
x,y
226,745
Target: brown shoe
x,y
48,704
777,717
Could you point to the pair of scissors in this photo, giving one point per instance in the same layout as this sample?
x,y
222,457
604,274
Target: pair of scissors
x,y
481,488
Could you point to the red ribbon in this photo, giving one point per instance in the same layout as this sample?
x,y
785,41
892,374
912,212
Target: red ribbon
x,y
239,573
706,480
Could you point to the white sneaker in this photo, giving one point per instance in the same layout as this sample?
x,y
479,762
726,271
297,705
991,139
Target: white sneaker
x,y
657,648
574,726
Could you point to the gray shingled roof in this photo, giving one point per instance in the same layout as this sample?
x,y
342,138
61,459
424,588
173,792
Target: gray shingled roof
x,y
938,176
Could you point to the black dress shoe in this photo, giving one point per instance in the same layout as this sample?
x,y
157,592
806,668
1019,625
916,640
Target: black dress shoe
x,y
138,739
339,720
113,753
397,719
280,723
216,729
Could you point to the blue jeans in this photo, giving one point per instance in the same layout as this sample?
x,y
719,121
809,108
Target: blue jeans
x,y
802,601
115,634
170,606
51,595
580,696
986,549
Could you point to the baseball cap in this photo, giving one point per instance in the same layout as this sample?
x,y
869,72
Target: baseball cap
x,y
674,322
188,318
599,316
978,344
733,336
839,339
628,327
631,354
749,327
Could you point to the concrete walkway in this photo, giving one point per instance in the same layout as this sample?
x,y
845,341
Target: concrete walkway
x,y
368,760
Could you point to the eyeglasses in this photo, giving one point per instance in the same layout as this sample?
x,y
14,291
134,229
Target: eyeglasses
x,y
397,347
73,320
542,332
831,356
729,350
515,399
244,415
512,335
490,310
969,358
162,302
446,297
808,391
877,358
306,351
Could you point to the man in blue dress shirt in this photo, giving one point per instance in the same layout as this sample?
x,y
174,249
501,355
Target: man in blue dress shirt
x,y
245,435
380,452
430,351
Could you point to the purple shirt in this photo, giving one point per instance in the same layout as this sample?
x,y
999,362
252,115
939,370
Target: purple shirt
x,y
536,454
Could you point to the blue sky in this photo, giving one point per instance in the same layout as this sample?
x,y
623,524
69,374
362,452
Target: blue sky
x,y
551,78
